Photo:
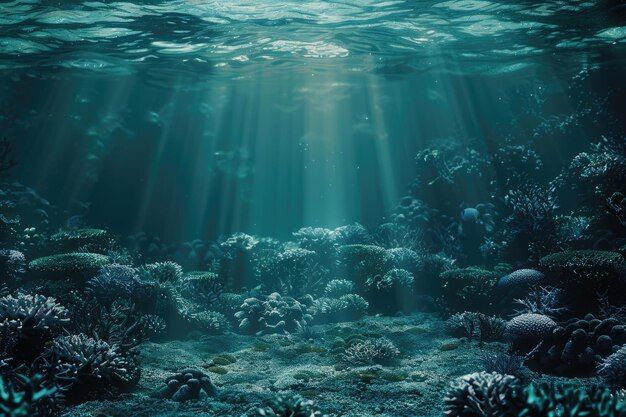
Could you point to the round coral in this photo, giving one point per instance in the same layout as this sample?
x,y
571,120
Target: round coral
x,y
528,330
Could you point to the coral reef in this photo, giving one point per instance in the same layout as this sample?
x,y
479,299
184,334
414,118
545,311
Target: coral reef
x,y
188,384
476,326
272,314
369,352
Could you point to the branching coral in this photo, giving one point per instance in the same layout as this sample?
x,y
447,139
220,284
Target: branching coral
x,y
27,397
201,287
290,406
476,326
371,351
32,312
112,282
272,314
162,272
539,300
96,367
482,394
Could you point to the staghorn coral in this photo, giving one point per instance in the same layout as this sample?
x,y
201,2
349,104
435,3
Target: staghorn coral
x,y
482,394
290,406
28,313
371,351
188,384
210,322
539,300
476,326
272,314
546,400
96,367
24,396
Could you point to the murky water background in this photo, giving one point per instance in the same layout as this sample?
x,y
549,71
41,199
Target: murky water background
x,y
197,118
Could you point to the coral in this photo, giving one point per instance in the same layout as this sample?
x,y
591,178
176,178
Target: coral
x,y
577,346
12,265
272,314
210,322
360,262
294,272
504,363
546,301
68,265
93,239
404,258
526,331
476,326
188,384
394,235
27,397
532,223
161,272
612,369
547,400
346,307
371,351
519,281
317,239
469,289
7,162
390,292
152,326
234,255
338,287
201,287
351,234
616,205
290,406
583,270
482,394
35,312
94,365
112,282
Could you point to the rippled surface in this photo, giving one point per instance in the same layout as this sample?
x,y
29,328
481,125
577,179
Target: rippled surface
x,y
226,38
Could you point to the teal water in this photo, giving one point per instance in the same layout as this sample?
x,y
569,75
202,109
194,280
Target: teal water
x,y
322,208
197,118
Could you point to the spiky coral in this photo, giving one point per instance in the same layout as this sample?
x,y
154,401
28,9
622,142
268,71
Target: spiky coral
x,y
290,406
94,365
112,282
371,351
162,272
482,394
26,397
476,326
32,312
272,314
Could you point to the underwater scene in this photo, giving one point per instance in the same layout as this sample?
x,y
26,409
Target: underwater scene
x,y
312,208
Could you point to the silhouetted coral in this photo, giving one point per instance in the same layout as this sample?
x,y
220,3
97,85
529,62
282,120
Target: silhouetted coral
x,y
188,384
